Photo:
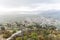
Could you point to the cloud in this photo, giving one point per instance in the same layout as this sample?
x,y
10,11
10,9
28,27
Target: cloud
x,y
29,5
17,3
35,7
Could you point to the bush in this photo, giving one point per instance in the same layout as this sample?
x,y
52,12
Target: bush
x,y
34,36
19,38
14,31
7,34
25,37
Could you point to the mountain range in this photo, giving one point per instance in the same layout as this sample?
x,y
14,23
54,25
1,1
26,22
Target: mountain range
x,y
16,16
51,14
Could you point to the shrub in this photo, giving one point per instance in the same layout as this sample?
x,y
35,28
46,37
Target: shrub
x,y
19,38
7,34
25,37
34,36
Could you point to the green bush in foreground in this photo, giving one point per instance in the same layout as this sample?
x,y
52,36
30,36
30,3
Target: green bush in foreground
x,y
19,38
7,34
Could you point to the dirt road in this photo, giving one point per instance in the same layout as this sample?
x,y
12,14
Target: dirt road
x,y
1,38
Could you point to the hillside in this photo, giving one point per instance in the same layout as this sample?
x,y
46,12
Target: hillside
x,y
51,14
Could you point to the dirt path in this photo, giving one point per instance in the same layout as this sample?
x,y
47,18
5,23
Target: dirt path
x,y
1,38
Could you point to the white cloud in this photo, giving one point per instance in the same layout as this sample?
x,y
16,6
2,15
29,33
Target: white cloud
x,y
43,6
28,5
36,7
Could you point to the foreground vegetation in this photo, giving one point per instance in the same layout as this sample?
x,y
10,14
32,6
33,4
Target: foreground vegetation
x,y
33,31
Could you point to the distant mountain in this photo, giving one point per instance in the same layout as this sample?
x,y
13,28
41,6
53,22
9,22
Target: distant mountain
x,y
49,17
17,16
51,14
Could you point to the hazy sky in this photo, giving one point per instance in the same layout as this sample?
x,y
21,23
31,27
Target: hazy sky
x,y
29,5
